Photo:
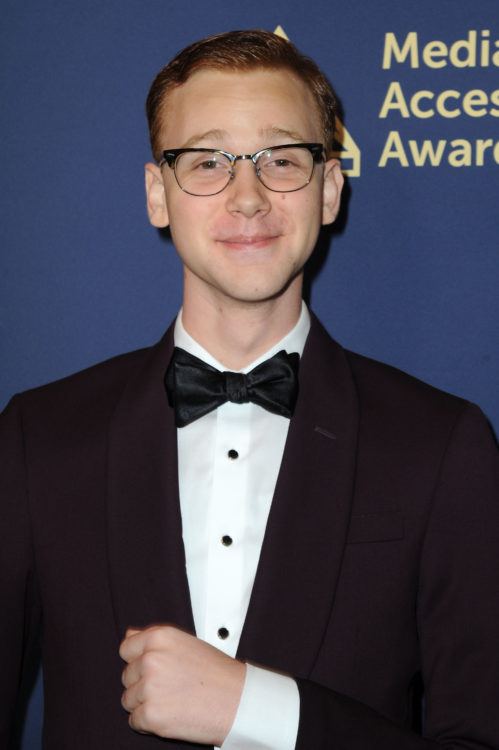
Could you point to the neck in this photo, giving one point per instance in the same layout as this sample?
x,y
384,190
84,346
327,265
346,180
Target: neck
x,y
236,333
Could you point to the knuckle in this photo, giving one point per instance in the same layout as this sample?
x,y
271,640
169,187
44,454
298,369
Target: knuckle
x,y
125,701
160,638
150,663
135,721
160,635
143,719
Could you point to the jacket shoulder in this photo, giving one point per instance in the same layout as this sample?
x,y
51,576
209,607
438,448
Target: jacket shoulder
x,y
378,385
94,390
378,380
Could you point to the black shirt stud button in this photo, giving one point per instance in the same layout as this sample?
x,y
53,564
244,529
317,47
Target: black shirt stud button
x,y
223,633
232,454
226,540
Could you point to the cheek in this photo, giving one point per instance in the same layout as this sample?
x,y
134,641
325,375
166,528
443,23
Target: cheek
x,y
186,218
304,212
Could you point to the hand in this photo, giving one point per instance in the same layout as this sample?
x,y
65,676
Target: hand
x,y
178,686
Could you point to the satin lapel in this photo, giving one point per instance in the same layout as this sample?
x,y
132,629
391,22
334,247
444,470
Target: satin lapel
x,y
304,541
146,554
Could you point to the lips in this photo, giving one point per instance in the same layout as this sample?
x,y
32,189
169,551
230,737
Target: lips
x,y
248,241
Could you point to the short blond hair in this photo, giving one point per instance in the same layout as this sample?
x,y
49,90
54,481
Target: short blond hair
x,y
240,50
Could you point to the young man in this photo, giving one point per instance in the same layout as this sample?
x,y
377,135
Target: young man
x,y
338,533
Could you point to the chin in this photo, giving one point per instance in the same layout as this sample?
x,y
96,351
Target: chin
x,y
261,293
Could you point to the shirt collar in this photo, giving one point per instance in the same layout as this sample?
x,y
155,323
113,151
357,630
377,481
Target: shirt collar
x,y
294,341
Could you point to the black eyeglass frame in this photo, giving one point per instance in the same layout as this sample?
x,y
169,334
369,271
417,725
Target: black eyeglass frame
x,y
170,156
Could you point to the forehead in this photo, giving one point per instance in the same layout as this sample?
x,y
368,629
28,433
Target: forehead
x,y
239,106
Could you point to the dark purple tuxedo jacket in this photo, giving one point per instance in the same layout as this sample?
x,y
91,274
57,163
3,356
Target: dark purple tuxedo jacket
x,y
380,559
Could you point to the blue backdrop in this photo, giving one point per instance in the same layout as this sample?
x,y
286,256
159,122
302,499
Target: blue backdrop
x,y
409,276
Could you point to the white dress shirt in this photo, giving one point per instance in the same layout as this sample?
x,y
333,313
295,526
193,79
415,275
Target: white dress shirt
x,y
228,462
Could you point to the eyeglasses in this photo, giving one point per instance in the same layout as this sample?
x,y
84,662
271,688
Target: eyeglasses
x,y
206,171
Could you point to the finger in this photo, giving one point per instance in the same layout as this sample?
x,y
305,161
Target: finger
x,y
132,697
132,646
138,721
132,673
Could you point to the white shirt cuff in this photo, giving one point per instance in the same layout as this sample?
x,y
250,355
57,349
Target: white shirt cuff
x,y
268,713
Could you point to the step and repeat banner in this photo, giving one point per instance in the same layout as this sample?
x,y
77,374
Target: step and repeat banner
x,y
408,275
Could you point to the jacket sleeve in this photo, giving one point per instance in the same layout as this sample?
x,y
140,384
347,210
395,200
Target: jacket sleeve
x,y
18,591
457,616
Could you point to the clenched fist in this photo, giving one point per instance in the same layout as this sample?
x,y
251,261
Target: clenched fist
x,y
178,686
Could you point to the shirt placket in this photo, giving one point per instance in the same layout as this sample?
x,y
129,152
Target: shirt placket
x,y
224,615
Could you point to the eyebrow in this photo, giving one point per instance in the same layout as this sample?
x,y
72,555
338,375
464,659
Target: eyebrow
x,y
216,135
275,131
208,135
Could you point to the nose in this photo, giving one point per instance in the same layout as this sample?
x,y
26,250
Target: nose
x,y
245,194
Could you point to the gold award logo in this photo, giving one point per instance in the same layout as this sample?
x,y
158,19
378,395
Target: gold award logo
x,y
348,151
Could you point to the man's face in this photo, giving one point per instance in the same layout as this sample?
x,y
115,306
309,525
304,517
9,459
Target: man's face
x,y
246,243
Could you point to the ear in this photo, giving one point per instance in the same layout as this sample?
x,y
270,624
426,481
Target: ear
x,y
156,198
331,190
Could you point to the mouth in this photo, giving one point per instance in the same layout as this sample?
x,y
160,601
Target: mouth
x,y
248,242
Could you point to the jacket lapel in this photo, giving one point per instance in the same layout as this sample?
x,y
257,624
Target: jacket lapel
x,y
306,531
146,553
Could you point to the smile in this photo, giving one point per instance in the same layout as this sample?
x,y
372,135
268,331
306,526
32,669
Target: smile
x,y
248,242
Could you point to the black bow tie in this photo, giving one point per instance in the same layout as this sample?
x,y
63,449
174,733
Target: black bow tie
x,y
195,388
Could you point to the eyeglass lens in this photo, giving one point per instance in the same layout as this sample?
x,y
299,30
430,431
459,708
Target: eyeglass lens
x,y
207,173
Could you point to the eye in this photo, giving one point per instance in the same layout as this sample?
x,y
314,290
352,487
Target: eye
x,y
280,163
208,164
202,162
